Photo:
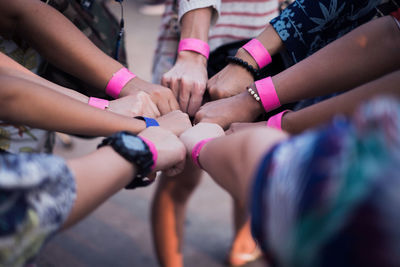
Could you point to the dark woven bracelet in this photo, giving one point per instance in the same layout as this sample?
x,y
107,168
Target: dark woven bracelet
x,y
244,64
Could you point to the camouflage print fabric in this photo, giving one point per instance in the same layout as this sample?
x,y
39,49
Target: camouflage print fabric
x,y
100,26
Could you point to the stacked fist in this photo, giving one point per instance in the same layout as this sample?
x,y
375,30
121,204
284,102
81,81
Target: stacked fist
x,y
175,138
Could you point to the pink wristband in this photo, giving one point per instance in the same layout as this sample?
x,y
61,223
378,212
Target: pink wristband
x,y
118,81
266,91
276,120
153,150
255,48
98,102
195,45
196,151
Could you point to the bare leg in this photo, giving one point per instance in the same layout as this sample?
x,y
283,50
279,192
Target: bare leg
x,y
243,247
168,214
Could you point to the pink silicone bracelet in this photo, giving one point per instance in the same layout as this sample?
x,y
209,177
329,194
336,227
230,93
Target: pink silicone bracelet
x,y
196,151
255,48
195,45
118,81
276,120
98,102
266,91
153,150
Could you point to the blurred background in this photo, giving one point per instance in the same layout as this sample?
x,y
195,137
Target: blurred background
x,y
118,233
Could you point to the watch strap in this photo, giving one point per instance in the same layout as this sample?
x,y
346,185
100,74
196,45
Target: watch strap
x,y
150,122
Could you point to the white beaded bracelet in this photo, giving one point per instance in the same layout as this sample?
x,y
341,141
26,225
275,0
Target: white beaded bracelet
x,y
253,94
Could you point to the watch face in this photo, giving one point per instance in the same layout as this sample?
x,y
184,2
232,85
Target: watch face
x,y
133,142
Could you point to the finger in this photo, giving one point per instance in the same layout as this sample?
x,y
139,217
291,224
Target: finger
x,y
174,85
197,118
163,106
166,81
153,109
229,131
195,100
175,170
184,95
173,103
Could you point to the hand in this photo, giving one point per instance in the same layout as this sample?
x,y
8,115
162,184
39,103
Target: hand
x,y
240,126
232,79
239,108
171,151
199,132
161,96
137,104
175,121
187,80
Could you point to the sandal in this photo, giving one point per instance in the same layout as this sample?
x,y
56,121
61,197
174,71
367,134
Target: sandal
x,y
240,259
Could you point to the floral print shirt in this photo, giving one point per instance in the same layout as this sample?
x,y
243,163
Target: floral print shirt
x,y
37,192
306,26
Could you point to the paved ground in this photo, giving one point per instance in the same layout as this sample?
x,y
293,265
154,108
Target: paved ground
x,y
118,233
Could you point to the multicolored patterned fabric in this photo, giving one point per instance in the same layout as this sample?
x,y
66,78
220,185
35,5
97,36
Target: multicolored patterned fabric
x,y
37,192
19,138
306,26
330,197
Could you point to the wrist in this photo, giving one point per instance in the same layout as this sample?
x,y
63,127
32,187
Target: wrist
x,y
192,57
250,104
118,81
244,55
287,122
197,148
196,45
133,86
98,103
276,120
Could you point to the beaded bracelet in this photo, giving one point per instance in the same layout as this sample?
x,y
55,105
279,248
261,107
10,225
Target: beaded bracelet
x,y
240,62
253,94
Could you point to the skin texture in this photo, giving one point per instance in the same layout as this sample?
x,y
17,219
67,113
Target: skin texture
x,y
373,44
187,80
18,19
96,182
221,85
35,105
188,77
231,160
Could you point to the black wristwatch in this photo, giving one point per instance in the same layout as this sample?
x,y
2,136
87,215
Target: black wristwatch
x,y
135,150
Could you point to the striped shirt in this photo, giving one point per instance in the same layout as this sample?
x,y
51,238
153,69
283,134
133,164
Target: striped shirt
x,y
232,20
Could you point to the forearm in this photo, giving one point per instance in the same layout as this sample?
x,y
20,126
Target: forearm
x,y
31,104
195,24
269,39
97,182
232,160
346,103
363,55
56,38
9,67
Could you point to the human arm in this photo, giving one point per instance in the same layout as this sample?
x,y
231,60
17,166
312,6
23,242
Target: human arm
x,y
232,160
346,103
366,53
295,122
135,104
96,182
71,51
301,29
188,77
24,102
234,79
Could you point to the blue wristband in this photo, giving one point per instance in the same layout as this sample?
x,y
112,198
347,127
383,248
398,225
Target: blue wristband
x,y
149,121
